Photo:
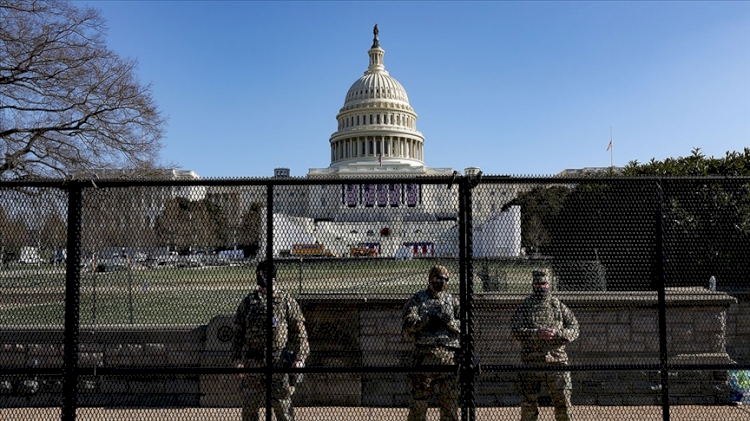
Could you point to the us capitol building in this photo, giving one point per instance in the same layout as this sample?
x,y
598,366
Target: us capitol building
x,y
377,137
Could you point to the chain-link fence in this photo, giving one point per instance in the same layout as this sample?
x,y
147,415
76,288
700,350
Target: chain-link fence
x,y
381,299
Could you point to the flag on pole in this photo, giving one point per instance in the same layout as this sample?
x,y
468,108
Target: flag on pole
x,y
610,145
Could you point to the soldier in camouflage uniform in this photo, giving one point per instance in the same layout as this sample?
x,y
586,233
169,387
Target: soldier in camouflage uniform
x,y
289,343
544,325
431,321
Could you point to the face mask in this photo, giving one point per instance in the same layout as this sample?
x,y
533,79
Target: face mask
x,y
541,292
438,284
261,280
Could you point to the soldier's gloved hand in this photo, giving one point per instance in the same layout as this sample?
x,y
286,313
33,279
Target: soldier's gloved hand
x,y
546,333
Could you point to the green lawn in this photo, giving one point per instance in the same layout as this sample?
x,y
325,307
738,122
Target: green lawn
x,y
195,295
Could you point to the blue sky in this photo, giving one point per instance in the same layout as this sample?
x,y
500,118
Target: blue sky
x,y
515,88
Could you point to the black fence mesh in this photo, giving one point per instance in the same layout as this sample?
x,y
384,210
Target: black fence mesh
x,y
140,299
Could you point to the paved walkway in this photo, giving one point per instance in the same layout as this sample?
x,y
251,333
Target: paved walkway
x,y
582,413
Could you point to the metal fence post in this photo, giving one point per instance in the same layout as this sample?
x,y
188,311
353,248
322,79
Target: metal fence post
x,y
72,304
661,281
269,300
466,292
470,368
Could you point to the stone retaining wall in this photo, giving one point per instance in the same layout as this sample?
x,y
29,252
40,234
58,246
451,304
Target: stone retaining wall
x,y
738,328
356,331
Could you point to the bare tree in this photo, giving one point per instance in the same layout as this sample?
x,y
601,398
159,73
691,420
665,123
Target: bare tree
x,y
54,232
186,225
250,229
67,103
14,234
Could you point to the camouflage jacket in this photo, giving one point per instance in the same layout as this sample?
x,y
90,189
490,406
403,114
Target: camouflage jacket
x,y
288,323
534,314
432,321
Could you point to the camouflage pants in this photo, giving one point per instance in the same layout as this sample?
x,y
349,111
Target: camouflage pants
x,y
423,383
254,397
557,384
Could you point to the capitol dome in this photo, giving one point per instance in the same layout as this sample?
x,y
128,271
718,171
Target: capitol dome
x,y
376,85
376,125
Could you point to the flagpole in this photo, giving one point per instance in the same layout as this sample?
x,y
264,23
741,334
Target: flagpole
x,y
611,150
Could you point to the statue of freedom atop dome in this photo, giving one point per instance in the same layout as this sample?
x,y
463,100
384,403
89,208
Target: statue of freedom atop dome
x,y
375,41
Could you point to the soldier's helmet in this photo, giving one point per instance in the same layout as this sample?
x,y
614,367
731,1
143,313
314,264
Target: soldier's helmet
x,y
438,270
270,269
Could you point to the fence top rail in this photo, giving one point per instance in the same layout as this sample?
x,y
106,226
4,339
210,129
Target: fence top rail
x,y
95,182
163,182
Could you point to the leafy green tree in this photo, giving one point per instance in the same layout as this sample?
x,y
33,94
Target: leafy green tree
x,y
734,163
706,206
611,221
604,235
539,208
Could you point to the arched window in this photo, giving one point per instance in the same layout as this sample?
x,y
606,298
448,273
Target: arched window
x,y
378,118
357,120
